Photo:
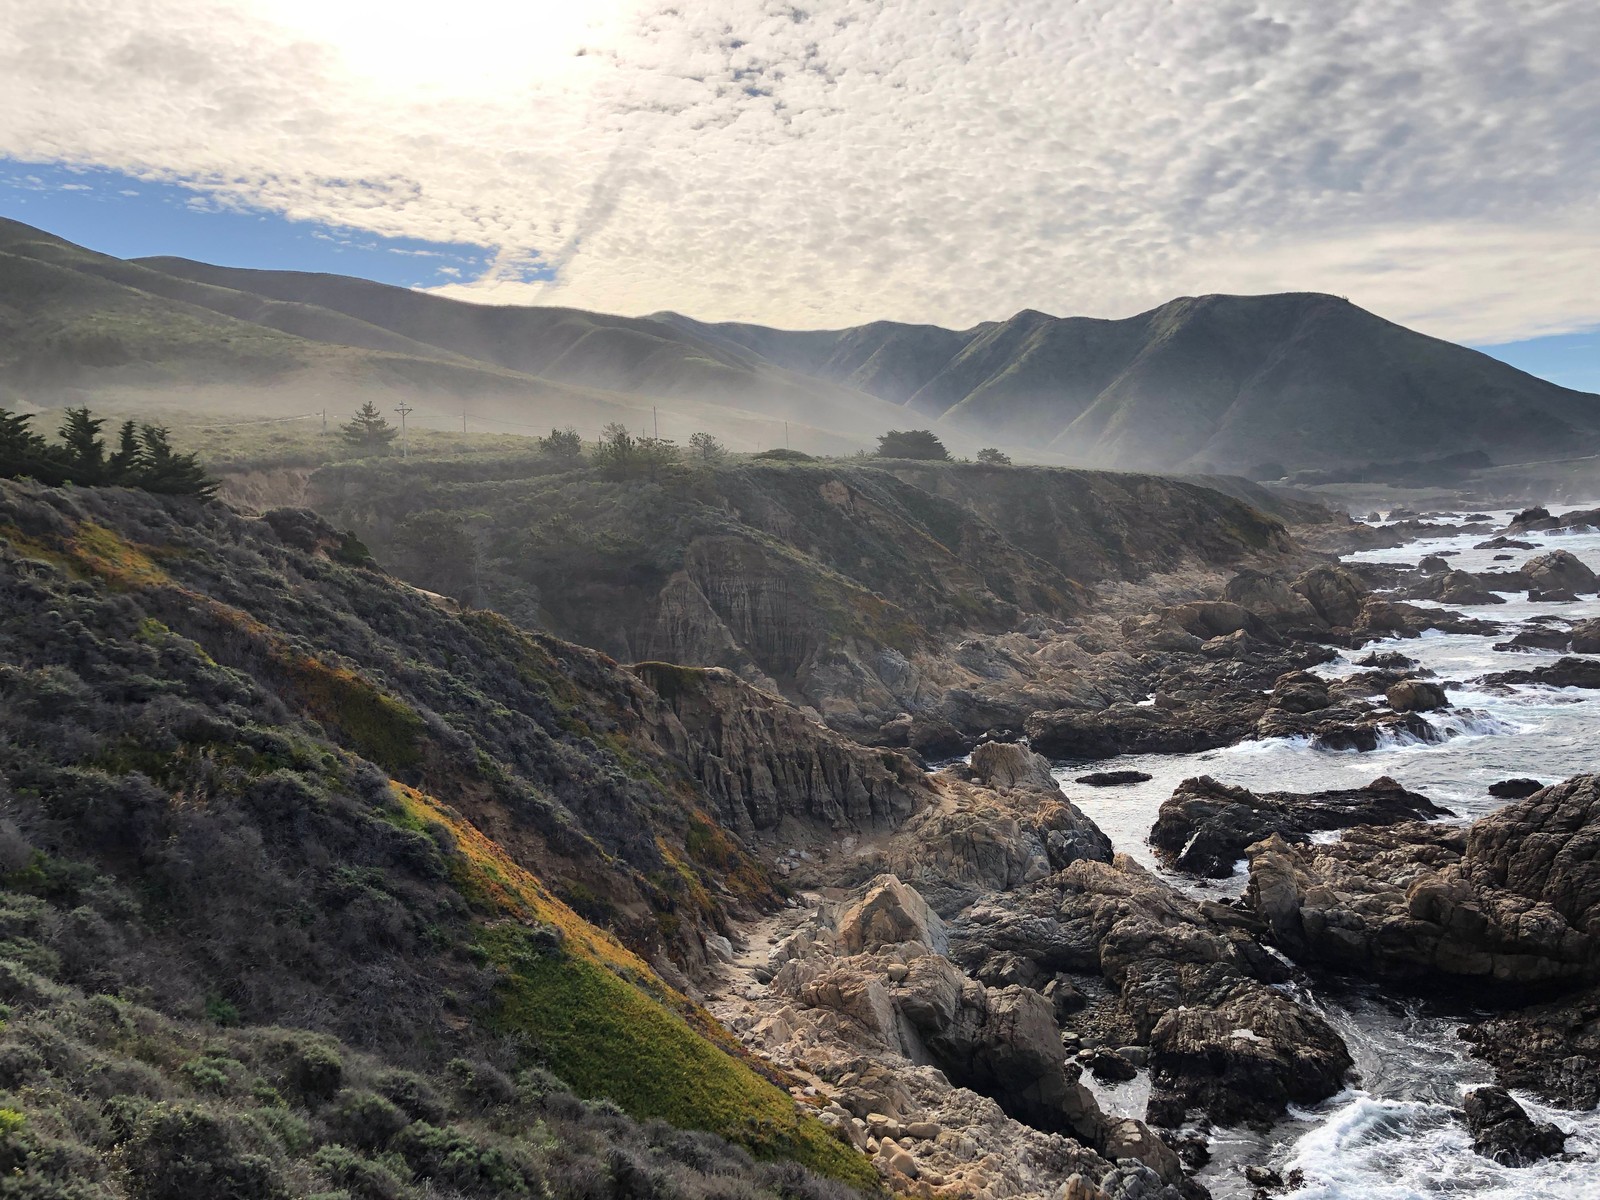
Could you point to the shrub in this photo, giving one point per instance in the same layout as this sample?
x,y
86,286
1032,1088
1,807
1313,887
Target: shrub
x,y
912,443
182,1151
995,458
364,1119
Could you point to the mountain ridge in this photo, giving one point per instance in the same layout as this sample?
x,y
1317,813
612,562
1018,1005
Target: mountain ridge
x,y
1207,384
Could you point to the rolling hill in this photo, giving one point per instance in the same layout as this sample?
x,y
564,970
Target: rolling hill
x,y
1200,384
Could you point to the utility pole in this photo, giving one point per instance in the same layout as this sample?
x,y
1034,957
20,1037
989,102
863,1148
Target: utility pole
x,y
324,422
405,438
655,415
786,435
463,416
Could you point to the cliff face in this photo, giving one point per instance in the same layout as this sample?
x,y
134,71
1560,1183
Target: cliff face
x,y
845,587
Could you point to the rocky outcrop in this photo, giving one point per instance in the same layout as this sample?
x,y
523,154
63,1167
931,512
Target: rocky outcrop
x,y
1552,1049
1516,899
944,1079
1563,673
1502,1130
888,915
761,759
1559,570
977,841
1532,520
1455,587
1187,978
1205,827
1100,779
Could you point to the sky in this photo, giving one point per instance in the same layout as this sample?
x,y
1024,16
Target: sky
x,y
828,162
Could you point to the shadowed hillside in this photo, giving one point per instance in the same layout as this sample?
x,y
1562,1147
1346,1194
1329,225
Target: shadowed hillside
x,y
247,778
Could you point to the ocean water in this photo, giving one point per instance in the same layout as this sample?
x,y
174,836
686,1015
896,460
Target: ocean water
x,y
1395,1134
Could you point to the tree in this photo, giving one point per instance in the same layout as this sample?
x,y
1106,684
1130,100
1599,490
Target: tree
x,y
82,448
623,455
563,444
912,443
706,448
159,468
368,429
24,452
995,458
120,466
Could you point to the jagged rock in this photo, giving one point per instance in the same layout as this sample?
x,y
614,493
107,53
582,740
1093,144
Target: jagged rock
x,y
1102,779
1552,1048
1164,953
762,759
1502,1130
1272,599
889,914
1300,692
1432,564
1205,826
1006,765
1559,570
1347,725
1514,789
1380,619
1334,592
1554,596
983,842
1564,672
1515,899
1416,695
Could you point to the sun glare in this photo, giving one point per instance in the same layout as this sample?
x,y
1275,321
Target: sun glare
x,y
465,46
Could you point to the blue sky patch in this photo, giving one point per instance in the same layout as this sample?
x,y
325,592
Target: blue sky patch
x,y
127,217
1570,359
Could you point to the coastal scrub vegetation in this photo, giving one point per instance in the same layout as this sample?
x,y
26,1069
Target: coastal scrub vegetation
x,y
243,882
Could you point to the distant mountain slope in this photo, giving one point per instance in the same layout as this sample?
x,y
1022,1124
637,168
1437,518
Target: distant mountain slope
x,y
1208,383
1202,384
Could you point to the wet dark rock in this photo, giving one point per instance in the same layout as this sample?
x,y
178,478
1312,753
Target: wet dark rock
x,y
1347,725
1388,659
1551,1049
1514,789
1502,1130
1455,587
1505,543
1102,779
1555,596
1586,637
1108,1066
1537,639
1205,827
1262,1177
1416,695
1144,729
1433,564
1564,672
1534,519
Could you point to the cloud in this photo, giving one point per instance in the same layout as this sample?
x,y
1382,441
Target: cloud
x,y
833,161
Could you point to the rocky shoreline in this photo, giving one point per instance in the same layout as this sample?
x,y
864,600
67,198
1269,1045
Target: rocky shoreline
x,y
954,982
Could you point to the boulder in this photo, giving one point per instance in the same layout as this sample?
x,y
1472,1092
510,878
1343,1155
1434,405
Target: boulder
x,y
1553,596
1514,789
890,913
1552,1049
1272,599
1011,764
1416,695
1505,543
1205,827
1502,1130
1559,570
1334,592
